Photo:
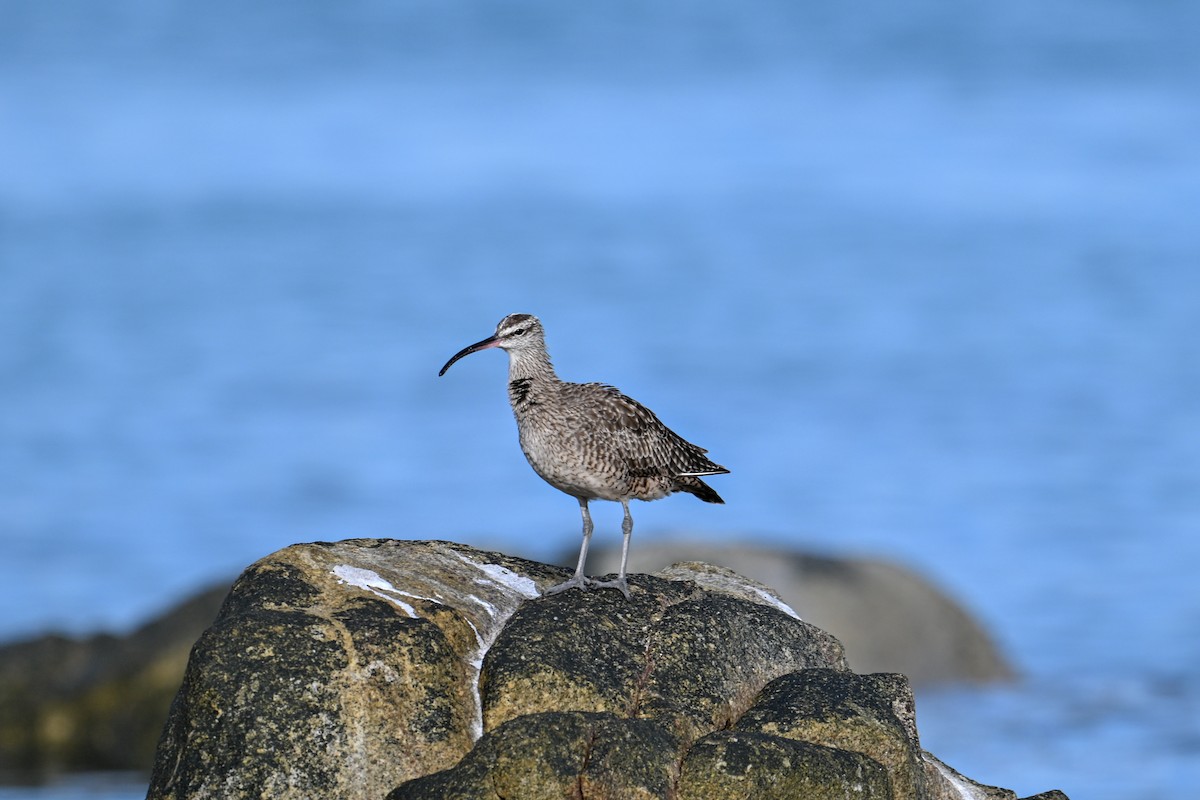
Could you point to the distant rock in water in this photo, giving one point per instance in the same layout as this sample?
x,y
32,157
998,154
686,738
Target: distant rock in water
x,y
95,703
411,670
889,618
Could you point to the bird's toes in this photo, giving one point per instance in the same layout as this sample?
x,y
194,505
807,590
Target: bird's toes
x,y
620,584
575,582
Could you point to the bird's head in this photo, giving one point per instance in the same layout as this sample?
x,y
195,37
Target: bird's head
x,y
515,333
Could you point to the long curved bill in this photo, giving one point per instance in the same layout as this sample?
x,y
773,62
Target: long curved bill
x,y
491,341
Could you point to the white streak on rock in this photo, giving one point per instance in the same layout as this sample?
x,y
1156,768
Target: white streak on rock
x,y
507,578
514,588
955,782
776,602
380,587
488,607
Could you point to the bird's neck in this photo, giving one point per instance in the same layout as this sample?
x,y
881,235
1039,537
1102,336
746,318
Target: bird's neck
x,y
532,365
530,376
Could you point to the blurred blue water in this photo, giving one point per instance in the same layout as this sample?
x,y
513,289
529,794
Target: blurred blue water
x,y
87,786
923,276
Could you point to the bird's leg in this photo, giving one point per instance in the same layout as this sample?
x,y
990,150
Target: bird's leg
x,y
626,535
578,579
621,583
583,548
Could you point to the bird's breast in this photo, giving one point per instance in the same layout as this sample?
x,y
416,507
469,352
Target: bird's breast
x,y
565,455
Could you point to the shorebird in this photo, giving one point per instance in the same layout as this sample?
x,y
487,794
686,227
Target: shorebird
x,y
590,440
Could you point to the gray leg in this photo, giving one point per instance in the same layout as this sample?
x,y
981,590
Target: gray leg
x,y
578,579
587,537
626,535
621,583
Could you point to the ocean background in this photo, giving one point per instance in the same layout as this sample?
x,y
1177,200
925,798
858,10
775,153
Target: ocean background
x,y
924,275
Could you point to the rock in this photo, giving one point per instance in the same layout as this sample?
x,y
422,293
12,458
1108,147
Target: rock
x,y
728,765
338,670
559,754
416,670
662,654
872,715
945,783
96,703
889,618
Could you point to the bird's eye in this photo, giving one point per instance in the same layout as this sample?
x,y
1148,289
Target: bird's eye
x,y
519,332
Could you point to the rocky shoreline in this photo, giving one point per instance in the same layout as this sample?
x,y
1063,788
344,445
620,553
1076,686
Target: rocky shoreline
x,y
373,668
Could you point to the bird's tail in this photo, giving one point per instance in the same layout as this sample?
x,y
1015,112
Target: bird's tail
x,y
693,485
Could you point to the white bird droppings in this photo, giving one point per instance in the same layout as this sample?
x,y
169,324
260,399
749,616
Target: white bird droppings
x,y
506,577
372,582
776,602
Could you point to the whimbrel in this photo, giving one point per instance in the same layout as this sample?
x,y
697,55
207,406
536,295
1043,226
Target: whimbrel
x,y
590,440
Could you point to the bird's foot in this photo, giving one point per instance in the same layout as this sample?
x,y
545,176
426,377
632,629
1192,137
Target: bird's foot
x,y
577,581
621,584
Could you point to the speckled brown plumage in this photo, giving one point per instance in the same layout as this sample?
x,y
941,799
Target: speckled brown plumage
x,y
590,440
